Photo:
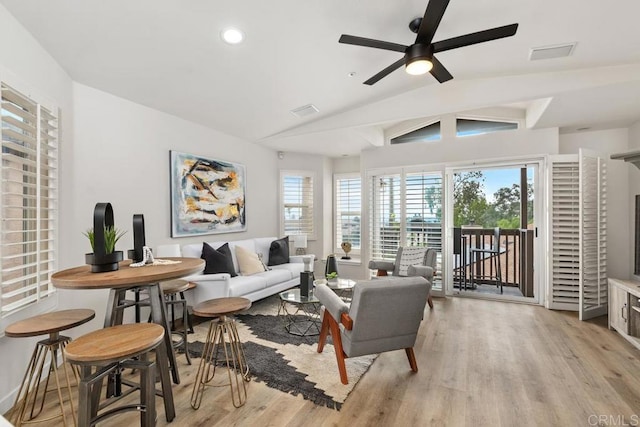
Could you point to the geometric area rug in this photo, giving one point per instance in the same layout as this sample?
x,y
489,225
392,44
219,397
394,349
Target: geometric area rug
x,y
287,362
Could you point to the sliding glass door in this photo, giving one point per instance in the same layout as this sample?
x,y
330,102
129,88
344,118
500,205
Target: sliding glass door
x,y
494,219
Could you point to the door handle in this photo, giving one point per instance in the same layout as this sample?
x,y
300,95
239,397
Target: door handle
x,y
622,312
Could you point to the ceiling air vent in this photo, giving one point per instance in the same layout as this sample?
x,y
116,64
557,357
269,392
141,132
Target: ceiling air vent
x,y
548,52
305,110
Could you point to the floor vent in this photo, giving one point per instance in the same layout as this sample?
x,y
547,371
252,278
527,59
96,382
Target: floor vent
x,y
548,52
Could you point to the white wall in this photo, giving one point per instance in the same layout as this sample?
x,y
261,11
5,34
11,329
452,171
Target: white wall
x,y
634,187
26,66
451,150
122,157
607,142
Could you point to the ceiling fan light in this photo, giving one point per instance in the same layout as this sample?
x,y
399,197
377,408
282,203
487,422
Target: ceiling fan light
x,y
418,67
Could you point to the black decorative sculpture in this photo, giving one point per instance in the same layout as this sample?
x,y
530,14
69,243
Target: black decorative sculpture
x,y
136,254
104,257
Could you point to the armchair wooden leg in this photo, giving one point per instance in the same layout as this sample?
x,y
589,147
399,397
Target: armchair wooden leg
x,y
337,343
430,302
324,331
412,359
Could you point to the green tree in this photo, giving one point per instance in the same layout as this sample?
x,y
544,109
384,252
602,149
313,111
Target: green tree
x,y
470,203
506,206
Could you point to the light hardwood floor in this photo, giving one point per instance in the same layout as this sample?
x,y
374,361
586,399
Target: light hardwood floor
x,y
481,363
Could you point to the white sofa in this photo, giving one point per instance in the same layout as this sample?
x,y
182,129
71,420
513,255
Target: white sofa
x,y
254,287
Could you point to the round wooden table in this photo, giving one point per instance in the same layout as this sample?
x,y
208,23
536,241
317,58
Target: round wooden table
x,y
130,279
30,393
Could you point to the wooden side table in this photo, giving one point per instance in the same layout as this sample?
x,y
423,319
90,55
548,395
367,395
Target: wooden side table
x,y
222,337
30,396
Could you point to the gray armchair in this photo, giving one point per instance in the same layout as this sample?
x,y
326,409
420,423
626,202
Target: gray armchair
x,y
367,326
410,261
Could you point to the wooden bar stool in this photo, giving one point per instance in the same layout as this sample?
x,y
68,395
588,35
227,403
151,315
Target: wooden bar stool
x,y
222,338
170,290
105,351
30,392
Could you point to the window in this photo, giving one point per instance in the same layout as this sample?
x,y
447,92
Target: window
x,y
28,201
348,215
428,133
466,127
297,203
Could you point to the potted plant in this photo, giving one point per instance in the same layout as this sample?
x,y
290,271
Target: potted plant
x,y
103,238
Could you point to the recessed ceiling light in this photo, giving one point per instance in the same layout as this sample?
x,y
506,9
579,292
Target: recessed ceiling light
x,y
232,35
351,74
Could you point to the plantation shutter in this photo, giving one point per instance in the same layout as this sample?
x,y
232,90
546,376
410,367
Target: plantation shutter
x,y
564,241
423,207
577,234
593,234
28,201
385,212
348,211
297,196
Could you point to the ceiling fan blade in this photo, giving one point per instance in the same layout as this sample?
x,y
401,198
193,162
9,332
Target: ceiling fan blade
x,y
431,20
475,38
384,73
378,44
439,72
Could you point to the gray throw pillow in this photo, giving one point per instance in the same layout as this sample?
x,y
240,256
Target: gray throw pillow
x,y
217,260
279,251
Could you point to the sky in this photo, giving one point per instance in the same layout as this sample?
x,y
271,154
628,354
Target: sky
x,y
495,179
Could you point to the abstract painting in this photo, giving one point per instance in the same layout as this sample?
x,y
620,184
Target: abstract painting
x,y
207,196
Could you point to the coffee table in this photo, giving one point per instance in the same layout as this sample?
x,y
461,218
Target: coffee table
x,y
342,287
300,314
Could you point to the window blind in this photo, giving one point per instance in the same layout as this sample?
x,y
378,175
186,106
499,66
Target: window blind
x,y
348,215
385,211
28,200
423,201
297,204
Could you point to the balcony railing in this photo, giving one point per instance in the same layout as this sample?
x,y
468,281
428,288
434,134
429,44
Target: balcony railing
x,y
515,252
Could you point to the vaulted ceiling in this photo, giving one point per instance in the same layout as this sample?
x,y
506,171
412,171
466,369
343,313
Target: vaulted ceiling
x,y
168,55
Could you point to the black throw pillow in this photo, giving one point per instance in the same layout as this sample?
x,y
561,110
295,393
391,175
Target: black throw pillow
x,y
279,251
217,260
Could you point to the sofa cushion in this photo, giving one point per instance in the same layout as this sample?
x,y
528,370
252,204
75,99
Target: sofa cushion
x,y
279,251
217,260
275,276
262,247
243,285
248,262
293,268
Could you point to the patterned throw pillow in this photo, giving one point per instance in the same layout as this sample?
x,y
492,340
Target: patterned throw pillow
x,y
410,256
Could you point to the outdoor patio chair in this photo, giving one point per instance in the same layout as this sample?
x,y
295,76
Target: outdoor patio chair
x,y
410,261
384,315
493,253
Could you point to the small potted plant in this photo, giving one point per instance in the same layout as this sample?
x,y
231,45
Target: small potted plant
x,y
103,238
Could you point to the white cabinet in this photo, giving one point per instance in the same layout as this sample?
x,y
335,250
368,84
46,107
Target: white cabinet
x,y
624,309
618,309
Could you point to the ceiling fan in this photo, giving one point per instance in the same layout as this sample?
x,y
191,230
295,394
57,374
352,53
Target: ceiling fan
x,y
418,58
